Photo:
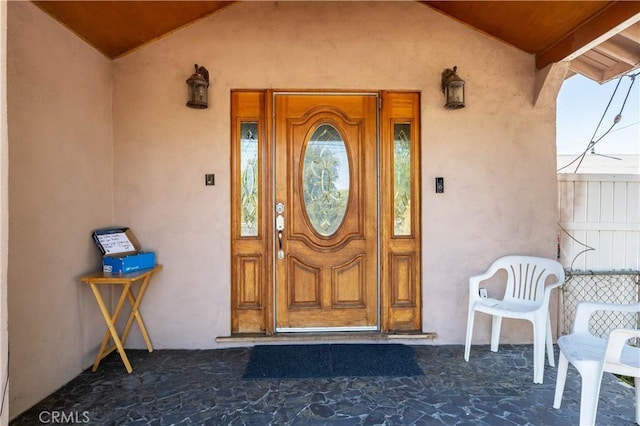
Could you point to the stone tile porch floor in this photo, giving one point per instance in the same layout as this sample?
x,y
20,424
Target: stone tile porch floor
x,y
205,387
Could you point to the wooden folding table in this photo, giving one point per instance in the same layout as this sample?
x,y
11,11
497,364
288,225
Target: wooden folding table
x,y
126,281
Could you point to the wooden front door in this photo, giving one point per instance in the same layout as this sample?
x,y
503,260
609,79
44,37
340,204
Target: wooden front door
x,y
325,211
326,220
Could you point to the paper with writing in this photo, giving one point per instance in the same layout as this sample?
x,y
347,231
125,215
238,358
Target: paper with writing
x,y
115,243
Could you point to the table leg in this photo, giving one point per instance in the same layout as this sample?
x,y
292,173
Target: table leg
x,y
102,352
135,304
110,320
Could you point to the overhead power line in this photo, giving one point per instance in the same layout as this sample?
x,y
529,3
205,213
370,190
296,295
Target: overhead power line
x,y
592,143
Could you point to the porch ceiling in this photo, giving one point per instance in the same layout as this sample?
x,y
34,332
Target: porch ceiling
x,y
600,38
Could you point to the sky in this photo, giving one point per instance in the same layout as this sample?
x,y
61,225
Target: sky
x,y
581,104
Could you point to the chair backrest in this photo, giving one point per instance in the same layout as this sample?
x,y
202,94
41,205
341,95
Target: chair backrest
x,y
527,277
585,309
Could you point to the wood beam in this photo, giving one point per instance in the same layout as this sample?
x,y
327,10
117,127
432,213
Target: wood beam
x,y
616,71
632,33
620,52
611,20
587,69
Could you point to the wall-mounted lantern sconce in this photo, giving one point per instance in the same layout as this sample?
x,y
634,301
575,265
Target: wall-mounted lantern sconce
x,y
453,89
198,87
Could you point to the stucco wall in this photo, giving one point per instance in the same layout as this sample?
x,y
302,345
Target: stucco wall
x,y
4,217
72,141
497,155
60,189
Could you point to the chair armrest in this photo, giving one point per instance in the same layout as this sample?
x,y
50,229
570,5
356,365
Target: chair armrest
x,y
547,291
584,310
550,287
613,356
474,282
477,279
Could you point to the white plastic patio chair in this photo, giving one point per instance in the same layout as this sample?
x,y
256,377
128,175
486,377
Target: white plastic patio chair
x,y
592,356
526,297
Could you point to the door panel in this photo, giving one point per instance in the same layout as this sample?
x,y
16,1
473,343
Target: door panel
x,y
326,178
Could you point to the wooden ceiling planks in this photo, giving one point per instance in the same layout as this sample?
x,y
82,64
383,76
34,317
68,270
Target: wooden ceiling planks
x,y
603,25
118,27
551,30
532,26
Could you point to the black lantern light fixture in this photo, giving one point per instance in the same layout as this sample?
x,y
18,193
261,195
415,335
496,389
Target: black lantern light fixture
x,y
198,87
453,89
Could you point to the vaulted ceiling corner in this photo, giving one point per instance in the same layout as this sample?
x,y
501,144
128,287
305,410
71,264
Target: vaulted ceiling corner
x,y
116,28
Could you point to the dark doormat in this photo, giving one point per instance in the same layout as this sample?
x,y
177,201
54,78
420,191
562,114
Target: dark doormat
x,y
317,361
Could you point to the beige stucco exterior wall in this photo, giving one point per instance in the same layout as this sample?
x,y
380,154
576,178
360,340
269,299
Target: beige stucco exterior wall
x,y
60,189
4,218
82,128
497,155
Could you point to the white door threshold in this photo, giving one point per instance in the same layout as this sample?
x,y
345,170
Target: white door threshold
x,y
327,337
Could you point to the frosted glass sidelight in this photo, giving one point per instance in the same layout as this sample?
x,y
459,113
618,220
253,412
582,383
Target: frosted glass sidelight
x,y
249,179
325,180
402,179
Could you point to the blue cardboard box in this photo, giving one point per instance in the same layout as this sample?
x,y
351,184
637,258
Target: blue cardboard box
x,y
121,252
131,263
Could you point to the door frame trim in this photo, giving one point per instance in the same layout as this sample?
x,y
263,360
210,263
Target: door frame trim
x,y
400,295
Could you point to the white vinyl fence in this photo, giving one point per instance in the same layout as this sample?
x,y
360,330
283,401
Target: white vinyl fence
x,y
599,246
599,221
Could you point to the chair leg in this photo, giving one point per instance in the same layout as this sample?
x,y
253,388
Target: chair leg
x,y
496,325
590,392
467,343
563,365
539,332
549,339
637,383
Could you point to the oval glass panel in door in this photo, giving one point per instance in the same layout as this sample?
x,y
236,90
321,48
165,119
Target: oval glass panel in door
x,y
325,180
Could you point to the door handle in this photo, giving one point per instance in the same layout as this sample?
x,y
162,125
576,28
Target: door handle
x,y
280,228
280,251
